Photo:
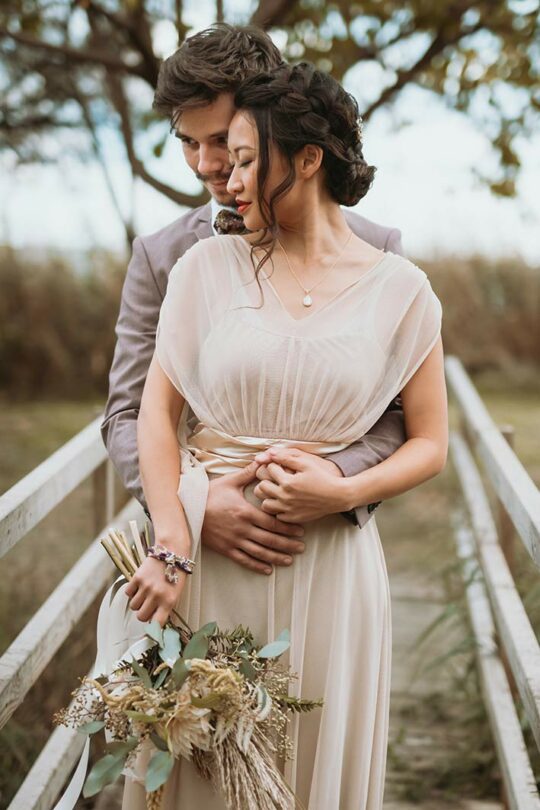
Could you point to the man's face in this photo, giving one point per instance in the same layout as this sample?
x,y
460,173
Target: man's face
x,y
203,132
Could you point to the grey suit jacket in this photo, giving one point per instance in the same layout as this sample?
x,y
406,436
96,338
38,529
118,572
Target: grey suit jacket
x,y
142,295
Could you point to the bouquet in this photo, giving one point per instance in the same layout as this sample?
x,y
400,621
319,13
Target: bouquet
x,y
211,696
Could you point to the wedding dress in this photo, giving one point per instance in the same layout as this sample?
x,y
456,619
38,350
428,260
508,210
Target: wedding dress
x,y
254,376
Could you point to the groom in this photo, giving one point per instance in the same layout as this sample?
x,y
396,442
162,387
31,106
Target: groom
x,y
195,89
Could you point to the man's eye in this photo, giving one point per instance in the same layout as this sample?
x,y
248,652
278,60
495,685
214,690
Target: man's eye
x,y
188,142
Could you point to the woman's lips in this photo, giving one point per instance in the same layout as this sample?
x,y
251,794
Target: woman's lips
x,y
242,206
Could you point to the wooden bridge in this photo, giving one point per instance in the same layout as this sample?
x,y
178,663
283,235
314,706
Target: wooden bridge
x,y
507,650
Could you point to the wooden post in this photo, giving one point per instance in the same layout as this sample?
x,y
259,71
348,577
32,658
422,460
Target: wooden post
x,y
507,532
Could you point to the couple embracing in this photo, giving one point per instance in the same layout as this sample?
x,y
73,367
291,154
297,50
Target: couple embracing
x,y
292,369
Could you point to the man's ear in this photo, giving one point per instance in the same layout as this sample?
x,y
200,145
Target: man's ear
x,y
308,160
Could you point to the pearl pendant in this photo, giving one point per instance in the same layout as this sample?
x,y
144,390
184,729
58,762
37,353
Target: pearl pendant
x,y
307,302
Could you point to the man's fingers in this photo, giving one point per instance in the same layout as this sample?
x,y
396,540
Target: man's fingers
x,y
271,524
243,559
278,474
265,555
244,477
268,489
276,542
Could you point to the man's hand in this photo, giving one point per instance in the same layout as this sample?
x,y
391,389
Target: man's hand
x,y
237,529
298,487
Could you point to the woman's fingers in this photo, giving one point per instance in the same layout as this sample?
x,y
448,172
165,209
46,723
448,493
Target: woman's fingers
x,y
147,610
137,600
266,489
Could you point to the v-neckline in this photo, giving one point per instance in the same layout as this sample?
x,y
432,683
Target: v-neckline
x,y
322,308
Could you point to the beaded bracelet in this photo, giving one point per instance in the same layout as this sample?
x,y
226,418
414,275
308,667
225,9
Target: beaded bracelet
x,y
172,562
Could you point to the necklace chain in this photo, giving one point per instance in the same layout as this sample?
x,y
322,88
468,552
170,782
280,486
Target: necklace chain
x,y
307,300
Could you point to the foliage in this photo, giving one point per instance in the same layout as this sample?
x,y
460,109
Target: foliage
x,y
89,67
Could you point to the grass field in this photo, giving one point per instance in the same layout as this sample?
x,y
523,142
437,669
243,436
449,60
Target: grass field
x,y
421,558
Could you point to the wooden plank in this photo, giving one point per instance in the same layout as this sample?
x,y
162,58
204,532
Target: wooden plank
x,y
512,483
517,774
517,636
34,647
35,495
50,771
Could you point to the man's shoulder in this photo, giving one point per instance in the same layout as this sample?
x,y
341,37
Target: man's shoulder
x,y
380,236
164,247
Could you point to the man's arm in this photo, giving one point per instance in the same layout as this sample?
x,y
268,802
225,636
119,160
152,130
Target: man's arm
x,y
136,335
384,438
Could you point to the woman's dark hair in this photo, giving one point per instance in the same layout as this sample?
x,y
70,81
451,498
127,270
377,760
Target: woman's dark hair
x,y
216,60
298,105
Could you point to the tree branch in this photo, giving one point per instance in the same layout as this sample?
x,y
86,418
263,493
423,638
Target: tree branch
x,y
438,44
74,54
137,167
271,12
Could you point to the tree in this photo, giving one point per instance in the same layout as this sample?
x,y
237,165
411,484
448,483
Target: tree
x,y
85,67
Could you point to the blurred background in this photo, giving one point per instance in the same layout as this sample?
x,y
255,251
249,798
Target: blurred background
x,y
450,98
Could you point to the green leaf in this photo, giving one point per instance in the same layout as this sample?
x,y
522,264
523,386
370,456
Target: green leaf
x,y
197,646
170,647
122,747
160,678
158,742
207,702
141,672
246,667
179,672
92,727
105,771
155,632
277,647
146,718
158,770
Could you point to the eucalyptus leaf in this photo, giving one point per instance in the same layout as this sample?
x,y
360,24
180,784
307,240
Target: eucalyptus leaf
x,y
197,647
207,702
277,647
146,718
155,632
158,770
170,646
92,727
105,771
122,747
179,672
158,742
246,667
141,672
160,678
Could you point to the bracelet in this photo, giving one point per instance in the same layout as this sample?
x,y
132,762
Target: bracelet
x,y
172,562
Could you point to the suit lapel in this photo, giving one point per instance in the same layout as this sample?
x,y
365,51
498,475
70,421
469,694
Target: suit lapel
x,y
203,226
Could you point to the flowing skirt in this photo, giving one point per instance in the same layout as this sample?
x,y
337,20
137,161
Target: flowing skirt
x,y
335,601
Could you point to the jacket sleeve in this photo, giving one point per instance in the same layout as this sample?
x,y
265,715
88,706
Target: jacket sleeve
x,y
384,438
136,334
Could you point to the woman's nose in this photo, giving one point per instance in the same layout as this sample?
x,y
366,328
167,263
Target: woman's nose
x,y
234,185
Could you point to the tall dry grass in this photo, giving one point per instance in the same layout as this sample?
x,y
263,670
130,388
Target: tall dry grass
x,y
57,325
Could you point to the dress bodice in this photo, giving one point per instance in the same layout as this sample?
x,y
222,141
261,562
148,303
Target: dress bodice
x,y
248,368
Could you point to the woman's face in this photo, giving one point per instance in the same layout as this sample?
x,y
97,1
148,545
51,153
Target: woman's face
x,y
243,144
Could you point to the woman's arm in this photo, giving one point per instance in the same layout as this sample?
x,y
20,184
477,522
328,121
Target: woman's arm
x,y
152,596
293,497
423,455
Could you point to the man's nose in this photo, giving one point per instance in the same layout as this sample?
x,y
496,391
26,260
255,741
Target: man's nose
x,y
209,160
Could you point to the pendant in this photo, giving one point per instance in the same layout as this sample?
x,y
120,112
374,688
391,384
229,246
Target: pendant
x,y
307,302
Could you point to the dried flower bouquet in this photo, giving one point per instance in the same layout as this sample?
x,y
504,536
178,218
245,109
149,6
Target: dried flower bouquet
x,y
213,697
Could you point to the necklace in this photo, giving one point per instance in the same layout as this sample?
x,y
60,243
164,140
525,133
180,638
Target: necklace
x,y
308,300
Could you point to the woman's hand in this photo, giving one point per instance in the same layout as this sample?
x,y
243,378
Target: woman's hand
x,y
151,595
298,487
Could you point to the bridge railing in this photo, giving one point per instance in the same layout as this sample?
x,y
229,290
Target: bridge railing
x,y
21,509
508,653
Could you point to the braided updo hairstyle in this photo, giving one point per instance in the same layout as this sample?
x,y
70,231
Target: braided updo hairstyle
x,y
298,105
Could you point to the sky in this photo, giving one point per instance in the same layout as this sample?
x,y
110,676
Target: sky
x,y
426,183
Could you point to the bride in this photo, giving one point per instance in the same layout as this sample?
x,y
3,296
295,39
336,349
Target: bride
x,y
297,335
